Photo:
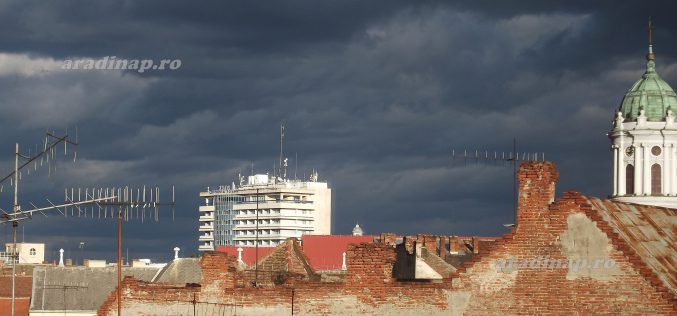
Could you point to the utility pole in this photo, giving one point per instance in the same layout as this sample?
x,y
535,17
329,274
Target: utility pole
x,y
119,260
281,144
15,209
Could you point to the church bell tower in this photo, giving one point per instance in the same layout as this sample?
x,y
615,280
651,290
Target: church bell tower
x,y
644,141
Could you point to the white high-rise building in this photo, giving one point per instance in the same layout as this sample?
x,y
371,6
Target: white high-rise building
x,y
644,142
286,208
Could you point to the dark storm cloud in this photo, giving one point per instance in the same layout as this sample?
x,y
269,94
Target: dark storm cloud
x,y
374,94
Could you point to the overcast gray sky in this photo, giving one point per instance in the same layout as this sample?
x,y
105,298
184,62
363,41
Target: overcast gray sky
x,y
374,94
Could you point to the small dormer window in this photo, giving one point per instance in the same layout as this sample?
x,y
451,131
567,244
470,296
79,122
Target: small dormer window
x,y
32,251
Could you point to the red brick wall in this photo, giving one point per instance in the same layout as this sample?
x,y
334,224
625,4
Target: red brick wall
x,y
551,291
477,289
369,263
219,271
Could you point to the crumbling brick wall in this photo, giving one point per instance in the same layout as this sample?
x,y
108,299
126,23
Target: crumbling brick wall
x,y
542,232
558,231
369,290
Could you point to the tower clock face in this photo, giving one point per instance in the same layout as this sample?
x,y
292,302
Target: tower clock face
x,y
656,150
629,151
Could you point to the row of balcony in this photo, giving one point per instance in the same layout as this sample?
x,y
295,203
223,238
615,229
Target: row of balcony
x,y
205,247
273,205
207,208
274,216
206,218
273,226
205,228
206,237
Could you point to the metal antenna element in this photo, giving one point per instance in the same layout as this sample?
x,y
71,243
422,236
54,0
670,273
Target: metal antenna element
x,y
138,203
126,202
48,151
81,202
281,174
64,288
500,158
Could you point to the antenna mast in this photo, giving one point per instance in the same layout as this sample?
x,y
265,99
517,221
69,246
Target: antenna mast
x,y
120,199
513,158
281,147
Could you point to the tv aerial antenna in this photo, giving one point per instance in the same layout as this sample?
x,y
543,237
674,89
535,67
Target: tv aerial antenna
x,y
104,201
512,158
64,288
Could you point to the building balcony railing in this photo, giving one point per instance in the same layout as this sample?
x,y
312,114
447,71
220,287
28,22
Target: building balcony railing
x,y
261,237
207,208
206,237
206,228
274,205
207,218
273,226
205,248
274,216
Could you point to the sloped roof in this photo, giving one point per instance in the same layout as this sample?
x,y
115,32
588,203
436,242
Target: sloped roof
x,y
89,287
325,252
180,271
648,230
287,256
436,263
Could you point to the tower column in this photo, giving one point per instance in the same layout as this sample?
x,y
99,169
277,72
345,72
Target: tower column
x,y
621,170
638,170
672,172
667,165
615,184
646,170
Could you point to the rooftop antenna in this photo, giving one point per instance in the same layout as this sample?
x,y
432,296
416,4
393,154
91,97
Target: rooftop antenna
x,y
129,204
16,215
63,287
87,202
512,158
281,147
296,165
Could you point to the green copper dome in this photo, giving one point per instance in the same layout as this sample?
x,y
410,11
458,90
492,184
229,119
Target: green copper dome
x,y
650,93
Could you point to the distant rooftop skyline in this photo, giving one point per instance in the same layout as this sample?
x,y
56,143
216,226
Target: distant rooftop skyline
x,y
373,94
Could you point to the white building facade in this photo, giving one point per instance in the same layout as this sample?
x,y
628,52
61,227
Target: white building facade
x,y
644,142
28,253
264,209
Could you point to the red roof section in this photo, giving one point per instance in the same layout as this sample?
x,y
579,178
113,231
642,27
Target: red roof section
x,y
21,306
248,253
325,252
24,286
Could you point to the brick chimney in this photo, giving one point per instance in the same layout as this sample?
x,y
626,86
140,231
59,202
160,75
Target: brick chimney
x,y
537,181
218,272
